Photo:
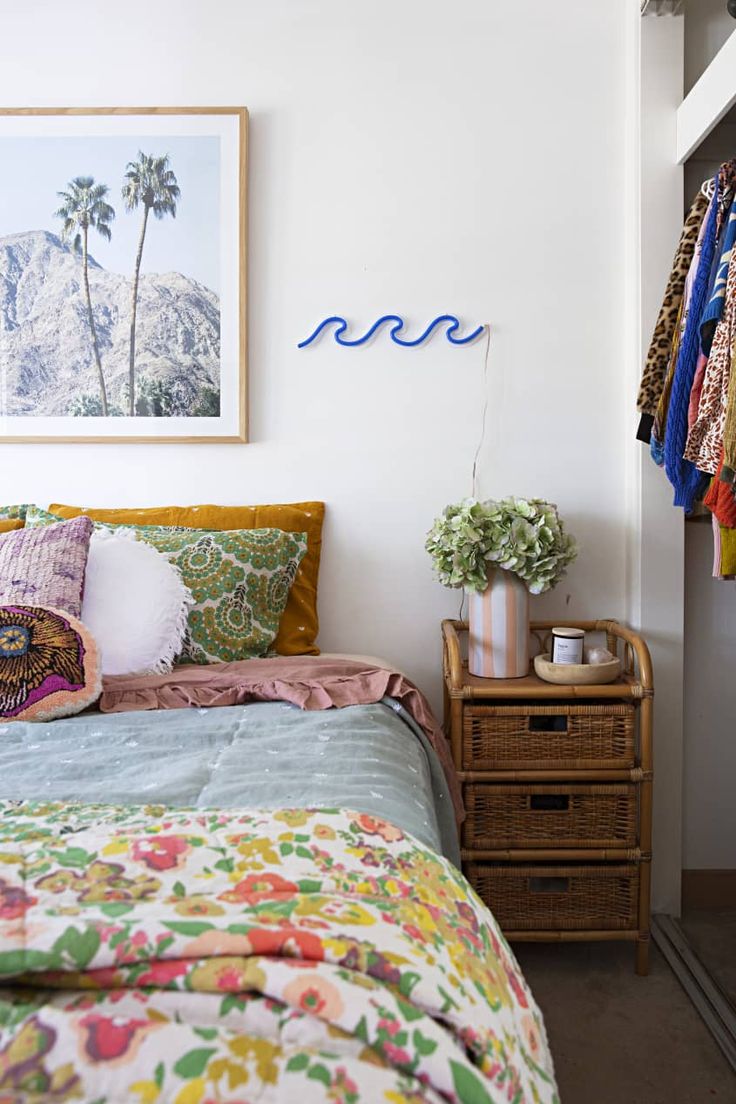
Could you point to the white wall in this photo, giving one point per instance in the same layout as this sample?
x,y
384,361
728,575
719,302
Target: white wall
x,y
660,526
707,26
417,157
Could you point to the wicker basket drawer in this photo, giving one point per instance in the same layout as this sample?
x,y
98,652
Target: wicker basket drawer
x,y
548,737
559,898
547,815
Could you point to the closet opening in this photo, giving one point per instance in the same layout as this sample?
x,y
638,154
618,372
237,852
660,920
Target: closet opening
x,y
692,436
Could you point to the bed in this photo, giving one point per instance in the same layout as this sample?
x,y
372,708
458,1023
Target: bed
x,y
239,883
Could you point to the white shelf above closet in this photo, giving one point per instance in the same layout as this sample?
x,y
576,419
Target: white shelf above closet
x,y
708,101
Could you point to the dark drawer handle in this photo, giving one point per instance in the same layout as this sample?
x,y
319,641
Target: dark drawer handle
x,y
548,724
553,803
549,885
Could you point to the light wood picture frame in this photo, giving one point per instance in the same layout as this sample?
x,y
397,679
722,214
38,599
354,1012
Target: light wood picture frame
x,y
123,275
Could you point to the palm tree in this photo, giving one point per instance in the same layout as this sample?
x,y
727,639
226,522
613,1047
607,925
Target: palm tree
x,y
148,181
84,209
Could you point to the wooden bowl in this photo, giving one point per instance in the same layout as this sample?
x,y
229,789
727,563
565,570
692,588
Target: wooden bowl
x,y
576,674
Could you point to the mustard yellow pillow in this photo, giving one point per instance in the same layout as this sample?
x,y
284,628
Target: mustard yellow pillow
x,y
8,525
299,624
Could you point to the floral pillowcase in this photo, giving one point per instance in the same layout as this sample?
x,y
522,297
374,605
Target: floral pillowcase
x,y
49,664
239,579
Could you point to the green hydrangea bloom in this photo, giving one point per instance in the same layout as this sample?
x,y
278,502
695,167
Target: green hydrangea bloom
x,y
523,535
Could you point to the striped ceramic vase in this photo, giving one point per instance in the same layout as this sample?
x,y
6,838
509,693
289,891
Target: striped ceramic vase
x,y
498,641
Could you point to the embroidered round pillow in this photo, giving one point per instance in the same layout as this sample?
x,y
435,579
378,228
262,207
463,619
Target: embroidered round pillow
x,y
49,664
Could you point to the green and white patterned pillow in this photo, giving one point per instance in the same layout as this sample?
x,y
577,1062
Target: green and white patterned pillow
x,y
16,513
239,579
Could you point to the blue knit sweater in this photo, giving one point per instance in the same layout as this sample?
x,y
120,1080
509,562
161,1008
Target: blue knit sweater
x,y
713,311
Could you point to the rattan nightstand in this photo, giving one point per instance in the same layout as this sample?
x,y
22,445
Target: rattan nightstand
x,y
557,783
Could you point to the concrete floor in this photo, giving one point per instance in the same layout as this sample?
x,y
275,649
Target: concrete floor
x,y
620,1039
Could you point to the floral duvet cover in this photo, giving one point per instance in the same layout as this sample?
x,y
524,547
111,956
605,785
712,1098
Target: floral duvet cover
x,y
150,955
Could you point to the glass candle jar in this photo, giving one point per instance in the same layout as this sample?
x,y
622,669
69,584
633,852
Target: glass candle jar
x,y
567,645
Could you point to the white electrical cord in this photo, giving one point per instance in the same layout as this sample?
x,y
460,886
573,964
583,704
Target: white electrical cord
x,y
474,478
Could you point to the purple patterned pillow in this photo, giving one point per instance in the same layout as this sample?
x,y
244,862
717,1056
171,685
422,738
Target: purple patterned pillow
x,y
45,566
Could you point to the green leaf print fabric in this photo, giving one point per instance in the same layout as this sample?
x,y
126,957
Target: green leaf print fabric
x,y
184,956
239,579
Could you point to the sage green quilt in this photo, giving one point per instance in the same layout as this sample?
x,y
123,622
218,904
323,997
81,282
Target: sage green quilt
x,y
270,755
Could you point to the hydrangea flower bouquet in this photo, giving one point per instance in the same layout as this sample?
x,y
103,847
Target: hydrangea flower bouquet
x,y
526,539
523,535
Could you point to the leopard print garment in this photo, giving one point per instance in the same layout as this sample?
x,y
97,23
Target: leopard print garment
x,y
660,348
705,439
660,418
728,474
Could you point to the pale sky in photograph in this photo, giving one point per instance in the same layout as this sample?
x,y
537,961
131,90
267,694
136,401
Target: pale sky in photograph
x,y
37,168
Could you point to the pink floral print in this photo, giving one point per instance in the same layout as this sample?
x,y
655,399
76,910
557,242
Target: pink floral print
x,y
309,955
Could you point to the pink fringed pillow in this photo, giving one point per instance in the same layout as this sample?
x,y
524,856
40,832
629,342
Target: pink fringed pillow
x,y
49,664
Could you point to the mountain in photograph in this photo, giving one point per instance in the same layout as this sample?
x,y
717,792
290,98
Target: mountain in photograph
x,y
47,358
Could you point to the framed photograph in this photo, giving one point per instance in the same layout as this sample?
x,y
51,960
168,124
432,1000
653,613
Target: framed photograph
x,y
123,274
